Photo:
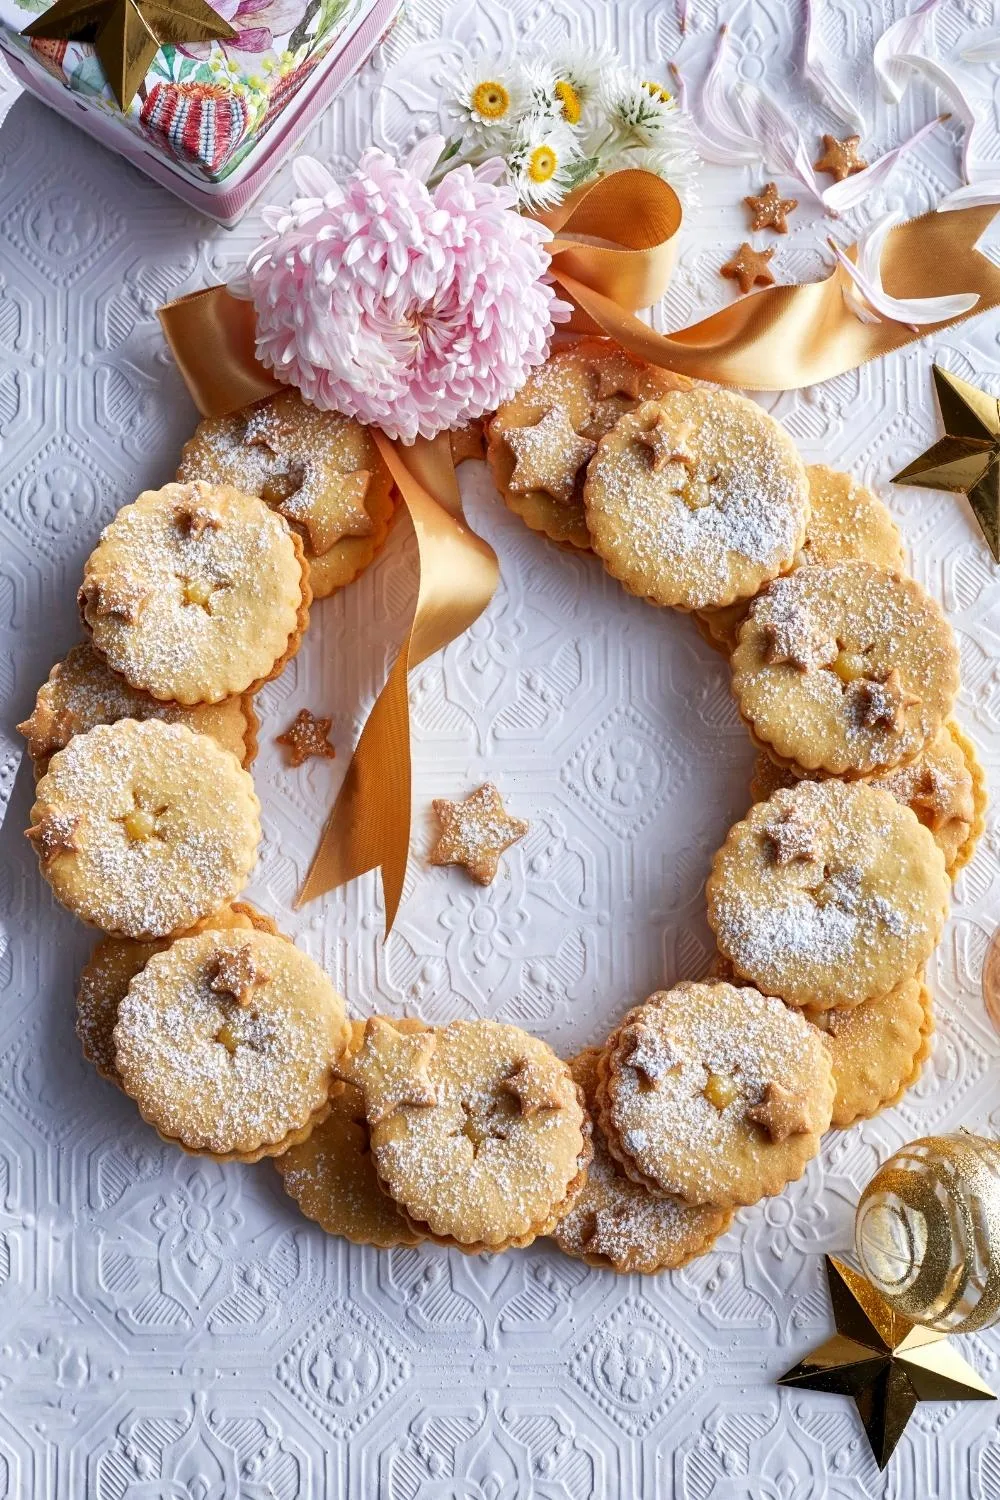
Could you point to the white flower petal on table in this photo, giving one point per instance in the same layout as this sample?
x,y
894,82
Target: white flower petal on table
x,y
869,300
820,76
842,196
781,142
715,129
947,82
904,37
973,195
985,51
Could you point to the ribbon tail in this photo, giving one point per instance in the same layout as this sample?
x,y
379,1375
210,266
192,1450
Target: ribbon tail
x,y
369,827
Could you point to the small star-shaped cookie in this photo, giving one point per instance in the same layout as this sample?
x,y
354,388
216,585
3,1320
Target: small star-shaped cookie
x,y
534,1086
330,507
795,637
618,377
933,794
840,158
793,836
749,267
650,1053
122,599
392,1069
769,210
236,973
47,730
665,442
781,1113
882,704
549,455
605,1237
475,833
192,519
54,835
307,736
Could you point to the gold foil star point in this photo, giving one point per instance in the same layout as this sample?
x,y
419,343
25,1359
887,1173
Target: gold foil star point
x,y
966,461
127,34
885,1363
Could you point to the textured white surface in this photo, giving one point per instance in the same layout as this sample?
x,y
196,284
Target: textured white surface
x,y
168,1327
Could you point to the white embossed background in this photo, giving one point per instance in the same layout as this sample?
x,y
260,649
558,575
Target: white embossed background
x,y
172,1329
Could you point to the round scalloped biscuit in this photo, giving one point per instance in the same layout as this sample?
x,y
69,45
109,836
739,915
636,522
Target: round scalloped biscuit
x,y
319,469
828,894
847,670
617,1223
82,692
696,500
874,1049
592,383
846,520
331,1175
228,1042
477,1130
196,592
944,786
714,1093
143,829
114,963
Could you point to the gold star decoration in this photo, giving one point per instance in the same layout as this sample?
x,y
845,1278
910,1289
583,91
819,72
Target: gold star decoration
x,y
885,1363
966,460
781,1113
122,599
534,1086
792,837
749,267
307,736
475,833
392,1069
650,1053
193,519
549,453
236,973
665,442
54,835
127,34
769,210
881,703
840,158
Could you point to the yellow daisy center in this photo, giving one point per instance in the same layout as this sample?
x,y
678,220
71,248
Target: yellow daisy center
x,y
569,99
490,100
542,164
657,90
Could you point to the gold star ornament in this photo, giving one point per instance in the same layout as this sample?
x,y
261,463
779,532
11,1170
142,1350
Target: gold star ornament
x,y
966,460
885,1363
127,34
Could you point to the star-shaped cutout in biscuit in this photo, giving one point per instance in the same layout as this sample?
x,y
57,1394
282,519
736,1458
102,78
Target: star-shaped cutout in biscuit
x,y
749,267
236,973
549,453
882,703
534,1086
793,636
392,1069
781,1113
933,794
475,832
192,519
330,505
793,836
667,444
650,1053
306,736
840,158
47,729
769,210
121,599
53,835
607,1233
618,377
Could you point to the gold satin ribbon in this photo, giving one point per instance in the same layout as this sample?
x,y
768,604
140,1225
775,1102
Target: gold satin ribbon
x,y
613,252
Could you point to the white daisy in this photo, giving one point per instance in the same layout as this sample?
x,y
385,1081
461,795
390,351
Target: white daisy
x,y
488,100
542,100
578,72
640,114
541,159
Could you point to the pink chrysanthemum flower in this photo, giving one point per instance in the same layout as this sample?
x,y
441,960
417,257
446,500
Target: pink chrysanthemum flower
x,y
409,308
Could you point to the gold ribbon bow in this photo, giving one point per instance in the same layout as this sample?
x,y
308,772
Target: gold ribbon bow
x,y
612,254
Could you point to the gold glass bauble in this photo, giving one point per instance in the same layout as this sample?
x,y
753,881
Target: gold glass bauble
x,y
927,1232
